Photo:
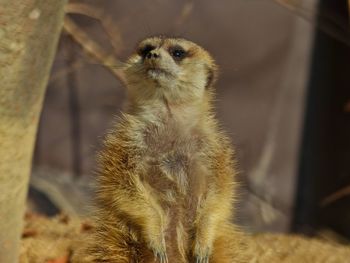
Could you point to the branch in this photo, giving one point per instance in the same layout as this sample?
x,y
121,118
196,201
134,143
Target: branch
x,y
336,196
105,20
93,49
185,14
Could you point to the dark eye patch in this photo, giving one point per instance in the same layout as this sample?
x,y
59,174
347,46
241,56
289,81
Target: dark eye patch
x,y
143,51
177,52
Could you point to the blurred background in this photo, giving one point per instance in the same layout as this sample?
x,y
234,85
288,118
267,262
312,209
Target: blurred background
x,y
283,95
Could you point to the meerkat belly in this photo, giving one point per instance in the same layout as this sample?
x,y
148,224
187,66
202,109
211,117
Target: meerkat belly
x,y
176,172
173,177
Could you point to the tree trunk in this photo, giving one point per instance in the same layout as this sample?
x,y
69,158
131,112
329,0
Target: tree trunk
x,y
29,31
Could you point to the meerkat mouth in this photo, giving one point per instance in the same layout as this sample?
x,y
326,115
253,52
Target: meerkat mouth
x,y
157,72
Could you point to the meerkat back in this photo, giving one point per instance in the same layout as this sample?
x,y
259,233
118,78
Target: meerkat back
x,y
166,174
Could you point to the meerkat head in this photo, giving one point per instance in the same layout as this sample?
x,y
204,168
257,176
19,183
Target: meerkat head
x,y
172,68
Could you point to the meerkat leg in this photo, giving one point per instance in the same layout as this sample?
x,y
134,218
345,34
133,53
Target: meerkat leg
x,y
229,246
138,204
215,210
112,243
211,217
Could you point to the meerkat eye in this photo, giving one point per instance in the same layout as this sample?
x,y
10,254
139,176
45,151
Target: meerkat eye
x,y
177,52
143,51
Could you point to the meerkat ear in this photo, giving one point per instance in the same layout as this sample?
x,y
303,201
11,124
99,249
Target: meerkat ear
x,y
212,73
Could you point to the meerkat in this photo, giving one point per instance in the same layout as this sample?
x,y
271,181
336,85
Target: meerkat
x,y
166,177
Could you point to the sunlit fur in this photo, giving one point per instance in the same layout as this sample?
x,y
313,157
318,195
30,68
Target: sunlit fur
x,y
166,173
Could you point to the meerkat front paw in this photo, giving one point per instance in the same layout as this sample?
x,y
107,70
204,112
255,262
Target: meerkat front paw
x,y
201,253
161,256
158,246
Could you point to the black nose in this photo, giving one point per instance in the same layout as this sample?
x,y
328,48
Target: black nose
x,y
152,54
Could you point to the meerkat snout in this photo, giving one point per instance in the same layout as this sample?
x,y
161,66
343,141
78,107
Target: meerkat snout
x,y
153,65
153,54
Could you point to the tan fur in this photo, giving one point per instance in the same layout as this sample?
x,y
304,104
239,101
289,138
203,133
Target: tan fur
x,y
166,174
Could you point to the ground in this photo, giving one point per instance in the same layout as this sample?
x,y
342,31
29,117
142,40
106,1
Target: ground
x,y
54,240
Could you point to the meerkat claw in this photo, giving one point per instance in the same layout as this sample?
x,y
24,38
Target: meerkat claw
x,y
202,258
161,256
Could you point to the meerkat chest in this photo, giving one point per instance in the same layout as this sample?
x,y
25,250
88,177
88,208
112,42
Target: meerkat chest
x,y
174,156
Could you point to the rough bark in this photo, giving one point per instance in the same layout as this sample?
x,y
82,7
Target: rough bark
x,y
29,31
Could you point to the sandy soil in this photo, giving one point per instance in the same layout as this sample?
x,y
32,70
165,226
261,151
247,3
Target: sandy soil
x,y
51,240
55,240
